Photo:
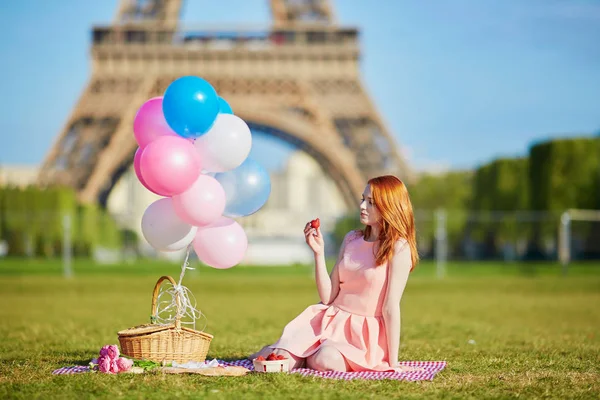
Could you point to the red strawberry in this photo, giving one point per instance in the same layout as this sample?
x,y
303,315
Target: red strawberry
x,y
271,357
315,223
280,357
260,358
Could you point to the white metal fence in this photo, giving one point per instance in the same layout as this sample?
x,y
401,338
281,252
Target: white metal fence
x,y
442,235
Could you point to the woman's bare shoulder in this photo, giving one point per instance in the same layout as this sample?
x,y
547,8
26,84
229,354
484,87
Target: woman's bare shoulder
x,y
401,245
352,235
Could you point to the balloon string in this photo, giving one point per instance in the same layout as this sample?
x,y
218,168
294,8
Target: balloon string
x,y
187,302
186,264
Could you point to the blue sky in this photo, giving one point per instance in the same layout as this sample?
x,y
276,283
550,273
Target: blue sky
x,y
459,82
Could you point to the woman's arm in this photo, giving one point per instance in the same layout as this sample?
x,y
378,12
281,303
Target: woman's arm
x,y
397,277
328,286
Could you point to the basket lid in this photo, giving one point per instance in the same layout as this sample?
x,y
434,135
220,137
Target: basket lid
x,y
153,328
145,329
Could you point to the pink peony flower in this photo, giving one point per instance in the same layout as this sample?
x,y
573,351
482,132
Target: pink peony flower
x,y
114,368
104,364
124,364
112,351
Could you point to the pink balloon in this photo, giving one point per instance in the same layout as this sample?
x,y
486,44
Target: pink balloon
x,y
221,245
138,172
170,165
203,203
150,124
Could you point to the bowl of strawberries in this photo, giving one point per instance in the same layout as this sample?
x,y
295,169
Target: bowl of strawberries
x,y
273,363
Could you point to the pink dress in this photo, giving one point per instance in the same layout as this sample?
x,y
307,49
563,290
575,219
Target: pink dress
x,y
353,322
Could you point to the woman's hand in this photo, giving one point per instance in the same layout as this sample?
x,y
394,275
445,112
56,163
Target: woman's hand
x,y
314,239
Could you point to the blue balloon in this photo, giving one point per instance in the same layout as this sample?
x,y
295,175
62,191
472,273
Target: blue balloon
x,y
225,107
247,188
190,106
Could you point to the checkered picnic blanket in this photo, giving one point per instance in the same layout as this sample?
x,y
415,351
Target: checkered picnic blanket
x,y
427,371
75,369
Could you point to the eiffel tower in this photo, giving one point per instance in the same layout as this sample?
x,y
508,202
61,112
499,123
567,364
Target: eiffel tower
x,y
297,80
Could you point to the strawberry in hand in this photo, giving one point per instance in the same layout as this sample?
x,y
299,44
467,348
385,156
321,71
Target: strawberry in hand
x,y
314,239
315,223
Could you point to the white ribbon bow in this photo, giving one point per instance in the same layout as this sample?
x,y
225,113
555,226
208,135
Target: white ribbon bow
x,y
187,302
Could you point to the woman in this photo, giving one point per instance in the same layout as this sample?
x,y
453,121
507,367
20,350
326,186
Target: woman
x,y
356,327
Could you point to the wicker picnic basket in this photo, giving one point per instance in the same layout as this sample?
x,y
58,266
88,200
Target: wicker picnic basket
x,y
160,343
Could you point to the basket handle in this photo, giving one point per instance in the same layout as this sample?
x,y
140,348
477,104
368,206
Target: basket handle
x,y
154,310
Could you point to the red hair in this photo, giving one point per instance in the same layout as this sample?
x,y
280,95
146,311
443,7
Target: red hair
x,y
397,219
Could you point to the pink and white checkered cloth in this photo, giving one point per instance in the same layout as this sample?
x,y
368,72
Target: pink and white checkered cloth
x,y
75,369
427,371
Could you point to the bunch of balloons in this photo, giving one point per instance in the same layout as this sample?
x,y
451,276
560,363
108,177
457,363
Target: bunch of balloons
x,y
193,151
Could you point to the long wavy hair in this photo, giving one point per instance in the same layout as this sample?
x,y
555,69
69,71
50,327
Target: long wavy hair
x,y
397,219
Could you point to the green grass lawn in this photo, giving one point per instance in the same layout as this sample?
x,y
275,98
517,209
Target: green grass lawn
x,y
536,333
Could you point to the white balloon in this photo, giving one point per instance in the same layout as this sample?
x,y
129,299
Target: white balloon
x,y
163,229
226,145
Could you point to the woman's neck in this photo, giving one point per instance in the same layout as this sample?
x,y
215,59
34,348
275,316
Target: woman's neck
x,y
374,236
